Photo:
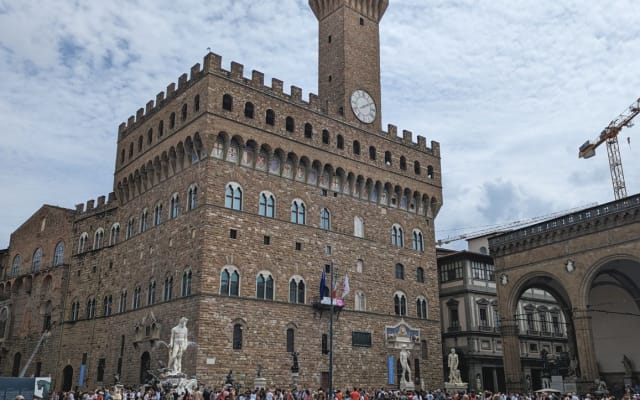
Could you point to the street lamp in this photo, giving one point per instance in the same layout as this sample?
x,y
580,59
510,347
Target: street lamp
x,y
331,394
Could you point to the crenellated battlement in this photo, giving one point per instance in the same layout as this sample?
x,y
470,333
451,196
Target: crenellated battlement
x,y
212,64
92,206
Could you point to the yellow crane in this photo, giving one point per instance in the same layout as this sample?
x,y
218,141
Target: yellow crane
x,y
610,136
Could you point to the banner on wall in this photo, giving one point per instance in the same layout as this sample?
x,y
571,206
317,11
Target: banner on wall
x,y
391,376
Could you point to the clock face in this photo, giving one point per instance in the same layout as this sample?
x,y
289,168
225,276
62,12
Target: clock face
x,y
363,106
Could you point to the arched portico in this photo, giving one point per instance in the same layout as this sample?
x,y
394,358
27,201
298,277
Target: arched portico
x,y
590,262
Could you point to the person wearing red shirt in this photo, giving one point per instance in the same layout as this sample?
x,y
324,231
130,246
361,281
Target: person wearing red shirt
x,y
355,395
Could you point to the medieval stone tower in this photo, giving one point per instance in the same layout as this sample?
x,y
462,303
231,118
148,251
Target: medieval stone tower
x,y
231,197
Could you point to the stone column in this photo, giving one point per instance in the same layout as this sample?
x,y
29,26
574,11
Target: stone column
x,y
584,342
511,355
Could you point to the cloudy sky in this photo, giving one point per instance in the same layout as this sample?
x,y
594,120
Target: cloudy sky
x,y
510,88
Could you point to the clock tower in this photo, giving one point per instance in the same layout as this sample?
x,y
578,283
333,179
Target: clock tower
x,y
349,58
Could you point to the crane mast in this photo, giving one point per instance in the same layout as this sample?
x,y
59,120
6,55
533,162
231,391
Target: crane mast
x,y
609,135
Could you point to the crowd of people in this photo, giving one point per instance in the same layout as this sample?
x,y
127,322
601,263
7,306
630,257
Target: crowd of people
x,y
228,392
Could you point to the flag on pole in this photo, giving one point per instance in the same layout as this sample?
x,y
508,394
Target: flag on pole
x,y
334,289
324,290
345,286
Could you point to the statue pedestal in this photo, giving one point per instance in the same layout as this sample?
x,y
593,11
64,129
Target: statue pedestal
x,y
407,386
260,383
294,379
456,387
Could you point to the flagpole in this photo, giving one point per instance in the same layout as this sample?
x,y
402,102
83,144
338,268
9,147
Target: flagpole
x,y
331,394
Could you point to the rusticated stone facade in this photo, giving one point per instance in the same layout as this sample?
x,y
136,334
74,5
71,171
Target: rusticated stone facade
x,y
206,181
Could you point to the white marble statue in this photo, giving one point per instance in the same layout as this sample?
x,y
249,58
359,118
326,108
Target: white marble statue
x,y
404,362
452,363
177,345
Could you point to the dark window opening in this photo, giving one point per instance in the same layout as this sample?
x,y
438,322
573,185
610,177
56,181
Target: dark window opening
x,y
150,136
403,163
237,337
196,103
298,246
325,136
172,120
361,21
227,102
308,131
330,78
183,115
356,147
233,234
290,124
160,129
270,117
248,110
329,38
372,153
340,142
290,340
267,240
387,158
325,343
140,141
416,167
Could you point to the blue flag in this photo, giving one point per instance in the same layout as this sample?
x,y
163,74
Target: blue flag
x,y
324,290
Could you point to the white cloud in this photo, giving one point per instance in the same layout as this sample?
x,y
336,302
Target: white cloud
x,y
509,88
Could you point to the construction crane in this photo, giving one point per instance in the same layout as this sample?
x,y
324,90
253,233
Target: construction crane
x,y
512,225
610,135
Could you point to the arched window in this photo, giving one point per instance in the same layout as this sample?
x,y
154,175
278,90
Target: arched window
x,y
308,131
325,136
4,322
183,114
230,282
75,311
144,220
196,103
356,147
397,236
123,301
160,129
115,234
137,293
130,226
130,149
233,196
15,266
400,304
192,197
58,254
98,239
82,243
237,336
264,286
290,340
372,153
403,163
399,271
91,308
420,275
186,283
36,262
267,205
122,155
340,142
430,172
290,124
15,371
108,303
387,158
421,308
168,288
151,293
140,141
417,243
298,212
175,206
248,109
157,214
361,301
227,102
270,117
296,290
358,227
325,219
150,136
172,120
416,167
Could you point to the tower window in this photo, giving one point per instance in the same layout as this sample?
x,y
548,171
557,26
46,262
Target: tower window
x,y
248,110
329,38
183,114
340,142
356,147
172,120
330,78
227,102
372,152
290,124
308,131
325,136
270,117
361,21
